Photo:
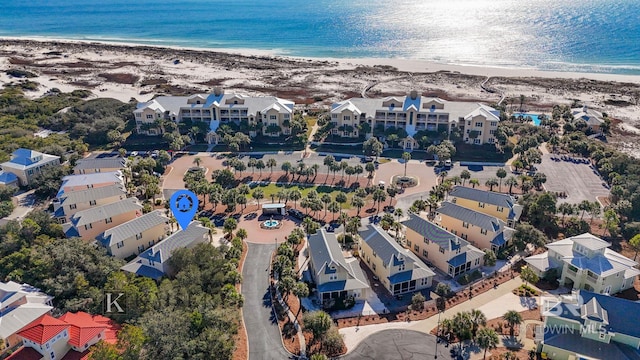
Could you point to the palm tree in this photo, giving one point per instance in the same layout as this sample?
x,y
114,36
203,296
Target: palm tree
x,y
474,183
478,318
501,174
258,194
511,182
491,183
512,318
260,165
271,163
487,339
328,161
252,164
326,199
465,175
286,167
197,161
357,170
357,202
295,195
334,207
406,157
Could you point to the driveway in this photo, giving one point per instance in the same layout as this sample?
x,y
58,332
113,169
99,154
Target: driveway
x,y
263,333
398,344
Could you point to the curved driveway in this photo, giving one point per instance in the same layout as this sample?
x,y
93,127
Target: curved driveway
x,y
262,330
398,344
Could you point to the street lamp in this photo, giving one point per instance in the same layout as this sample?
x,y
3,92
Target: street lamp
x,y
440,305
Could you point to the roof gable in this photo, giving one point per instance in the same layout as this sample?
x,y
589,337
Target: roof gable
x,y
82,328
434,233
43,329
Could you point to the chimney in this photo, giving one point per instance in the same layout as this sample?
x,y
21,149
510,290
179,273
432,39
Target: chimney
x,y
413,94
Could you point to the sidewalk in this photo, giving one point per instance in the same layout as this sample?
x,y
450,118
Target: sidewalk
x,y
494,298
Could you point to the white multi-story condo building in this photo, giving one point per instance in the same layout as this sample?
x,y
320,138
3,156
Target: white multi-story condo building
x,y
262,113
413,113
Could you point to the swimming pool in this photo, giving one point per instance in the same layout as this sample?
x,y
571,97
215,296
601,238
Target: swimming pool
x,y
534,117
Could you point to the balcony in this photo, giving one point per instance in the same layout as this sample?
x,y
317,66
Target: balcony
x,y
592,280
572,272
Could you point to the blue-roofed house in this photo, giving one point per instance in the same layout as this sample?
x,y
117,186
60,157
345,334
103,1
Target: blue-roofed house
x,y
586,262
398,269
439,247
586,325
216,108
502,206
153,262
335,276
25,164
9,179
481,230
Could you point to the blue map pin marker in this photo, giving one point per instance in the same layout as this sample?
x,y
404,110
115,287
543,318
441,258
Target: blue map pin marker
x,y
183,205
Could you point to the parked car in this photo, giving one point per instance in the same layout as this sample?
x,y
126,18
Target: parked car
x,y
296,214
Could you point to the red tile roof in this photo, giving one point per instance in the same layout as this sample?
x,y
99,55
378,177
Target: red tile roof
x,y
74,355
43,329
82,328
25,353
111,333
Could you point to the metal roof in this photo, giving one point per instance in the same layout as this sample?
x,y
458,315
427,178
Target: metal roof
x,y
163,250
85,196
105,211
483,196
132,227
100,163
434,233
487,222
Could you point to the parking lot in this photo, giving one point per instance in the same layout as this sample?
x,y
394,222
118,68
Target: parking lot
x,y
580,181
480,172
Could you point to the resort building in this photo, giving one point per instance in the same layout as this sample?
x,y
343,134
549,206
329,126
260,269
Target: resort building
x,y
399,270
24,166
66,338
440,248
586,262
20,304
502,206
335,276
99,164
481,230
414,113
70,203
87,224
153,262
266,114
590,117
586,325
135,236
90,181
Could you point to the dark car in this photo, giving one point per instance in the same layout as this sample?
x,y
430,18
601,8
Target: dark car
x,y
296,214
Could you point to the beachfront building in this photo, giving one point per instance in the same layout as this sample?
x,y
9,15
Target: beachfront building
x,y
20,304
417,116
24,165
481,230
87,224
586,262
587,325
268,115
398,269
99,163
335,276
135,236
69,203
502,206
154,262
593,119
440,248
68,337
90,181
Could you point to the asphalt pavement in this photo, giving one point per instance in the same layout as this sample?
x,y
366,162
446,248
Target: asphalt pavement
x,y
263,333
398,344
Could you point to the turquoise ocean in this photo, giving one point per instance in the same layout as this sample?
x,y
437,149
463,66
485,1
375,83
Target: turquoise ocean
x,y
563,35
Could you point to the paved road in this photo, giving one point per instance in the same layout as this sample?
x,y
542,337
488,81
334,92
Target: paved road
x,y
398,344
263,333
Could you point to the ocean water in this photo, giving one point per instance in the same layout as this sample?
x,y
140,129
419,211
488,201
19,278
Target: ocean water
x,y
564,35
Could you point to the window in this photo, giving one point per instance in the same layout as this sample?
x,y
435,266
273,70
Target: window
x,y
500,209
401,267
426,241
465,224
138,115
273,117
92,202
374,267
73,206
334,116
139,236
494,123
478,124
347,118
442,250
476,141
149,116
483,231
425,253
120,244
481,205
491,132
469,123
478,261
88,226
48,346
108,221
408,244
416,248
53,354
333,277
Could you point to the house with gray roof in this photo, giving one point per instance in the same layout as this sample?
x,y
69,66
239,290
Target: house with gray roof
x,y
481,230
87,224
69,203
24,165
398,269
20,304
587,325
99,163
586,262
502,206
153,262
89,181
441,248
335,276
593,119
415,114
270,114
135,236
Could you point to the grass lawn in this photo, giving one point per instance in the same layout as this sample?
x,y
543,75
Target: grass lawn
x,y
484,153
272,189
311,122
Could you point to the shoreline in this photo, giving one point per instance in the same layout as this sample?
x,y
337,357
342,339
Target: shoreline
x,y
401,64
